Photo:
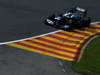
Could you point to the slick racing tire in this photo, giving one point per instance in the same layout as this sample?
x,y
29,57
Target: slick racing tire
x,y
85,22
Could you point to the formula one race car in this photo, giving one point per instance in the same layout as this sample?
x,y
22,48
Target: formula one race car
x,y
74,18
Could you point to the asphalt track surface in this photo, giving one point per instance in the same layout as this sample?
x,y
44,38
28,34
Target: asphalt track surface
x,y
24,18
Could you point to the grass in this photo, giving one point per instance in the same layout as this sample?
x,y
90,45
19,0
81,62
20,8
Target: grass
x,y
90,62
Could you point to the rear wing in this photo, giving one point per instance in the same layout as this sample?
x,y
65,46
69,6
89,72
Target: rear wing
x,y
80,9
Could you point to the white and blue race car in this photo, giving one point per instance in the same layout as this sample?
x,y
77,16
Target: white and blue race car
x,y
74,18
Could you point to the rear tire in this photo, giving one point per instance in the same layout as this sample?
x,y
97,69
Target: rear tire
x,y
85,22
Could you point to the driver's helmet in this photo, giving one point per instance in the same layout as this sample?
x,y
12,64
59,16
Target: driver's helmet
x,y
68,15
71,15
